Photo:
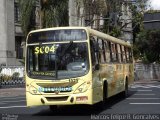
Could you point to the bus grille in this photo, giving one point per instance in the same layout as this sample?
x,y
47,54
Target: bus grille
x,y
56,91
62,98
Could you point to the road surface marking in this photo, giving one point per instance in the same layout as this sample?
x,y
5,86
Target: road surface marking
x,y
145,103
12,101
144,90
144,94
12,107
139,86
4,98
2,103
145,98
158,86
145,86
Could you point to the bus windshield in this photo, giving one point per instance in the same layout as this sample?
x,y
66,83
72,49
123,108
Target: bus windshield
x,y
57,61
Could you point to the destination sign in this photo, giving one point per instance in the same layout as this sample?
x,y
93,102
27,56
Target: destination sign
x,y
57,35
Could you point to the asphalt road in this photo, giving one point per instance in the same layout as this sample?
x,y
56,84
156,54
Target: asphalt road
x,y
144,98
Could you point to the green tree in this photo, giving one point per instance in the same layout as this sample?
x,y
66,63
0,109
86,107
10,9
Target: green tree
x,y
148,44
113,26
26,9
138,9
52,13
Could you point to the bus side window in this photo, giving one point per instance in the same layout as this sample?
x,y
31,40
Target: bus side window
x,y
127,51
126,54
130,55
110,51
114,52
104,50
101,51
107,52
94,55
123,53
119,53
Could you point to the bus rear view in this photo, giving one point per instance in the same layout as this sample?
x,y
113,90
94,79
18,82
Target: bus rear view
x,y
58,67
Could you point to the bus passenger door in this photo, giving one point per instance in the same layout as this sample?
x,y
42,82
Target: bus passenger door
x,y
97,83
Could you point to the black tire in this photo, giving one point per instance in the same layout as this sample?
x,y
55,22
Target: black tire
x,y
53,108
102,104
105,92
125,93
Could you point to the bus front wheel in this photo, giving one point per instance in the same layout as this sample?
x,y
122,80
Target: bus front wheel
x,y
102,104
126,91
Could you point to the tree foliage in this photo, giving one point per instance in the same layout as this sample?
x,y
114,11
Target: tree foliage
x,y
94,11
52,13
27,8
148,44
112,25
138,9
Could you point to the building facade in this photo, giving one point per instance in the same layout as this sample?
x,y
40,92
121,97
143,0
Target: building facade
x,y
7,33
126,20
12,41
152,20
91,14
12,38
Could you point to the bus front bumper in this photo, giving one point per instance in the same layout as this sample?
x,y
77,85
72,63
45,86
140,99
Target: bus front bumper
x,y
53,99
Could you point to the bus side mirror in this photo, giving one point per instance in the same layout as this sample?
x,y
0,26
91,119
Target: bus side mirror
x,y
97,67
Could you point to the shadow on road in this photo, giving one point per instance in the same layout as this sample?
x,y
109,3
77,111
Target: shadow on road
x,y
83,110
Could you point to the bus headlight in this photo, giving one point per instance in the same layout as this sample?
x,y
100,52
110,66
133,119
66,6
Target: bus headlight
x,y
83,87
33,90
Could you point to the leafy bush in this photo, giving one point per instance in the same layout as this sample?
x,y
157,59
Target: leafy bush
x,y
4,77
147,46
15,75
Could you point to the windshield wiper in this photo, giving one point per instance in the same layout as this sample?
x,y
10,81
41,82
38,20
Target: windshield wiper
x,y
67,48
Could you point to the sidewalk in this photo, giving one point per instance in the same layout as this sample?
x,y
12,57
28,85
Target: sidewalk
x,y
11,92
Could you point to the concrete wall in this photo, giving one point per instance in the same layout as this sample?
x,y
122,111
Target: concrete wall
x,y
147,71
7,33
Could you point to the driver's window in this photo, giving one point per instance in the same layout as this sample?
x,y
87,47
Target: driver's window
x,y
94,53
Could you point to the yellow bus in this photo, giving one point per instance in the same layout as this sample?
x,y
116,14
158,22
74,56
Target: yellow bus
x,y
75,65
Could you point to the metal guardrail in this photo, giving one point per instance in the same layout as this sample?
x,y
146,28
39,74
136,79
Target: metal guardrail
x,y
7,78
20,82
142,72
